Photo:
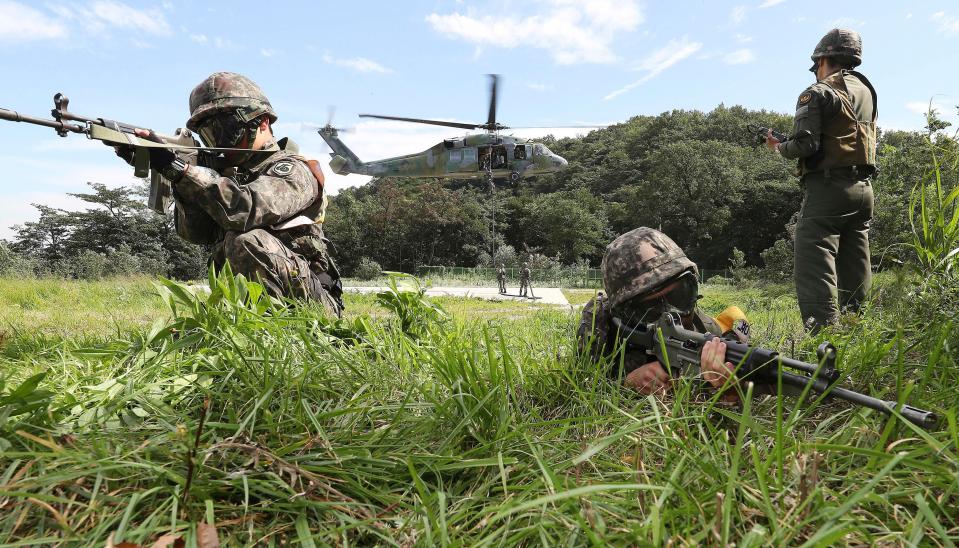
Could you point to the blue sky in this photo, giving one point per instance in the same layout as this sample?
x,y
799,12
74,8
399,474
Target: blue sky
x,y
562,61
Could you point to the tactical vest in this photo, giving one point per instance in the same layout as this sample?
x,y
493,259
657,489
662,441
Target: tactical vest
x,y
845,140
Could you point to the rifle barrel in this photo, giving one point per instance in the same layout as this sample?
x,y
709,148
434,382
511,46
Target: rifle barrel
x,y
14,116
919,417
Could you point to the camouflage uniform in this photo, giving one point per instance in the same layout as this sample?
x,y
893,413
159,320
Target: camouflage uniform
x,y
634,265
525,288
834,141
262,212
501,279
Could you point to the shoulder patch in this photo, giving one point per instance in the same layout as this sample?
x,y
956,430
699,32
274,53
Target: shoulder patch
x,y
805,98
282,169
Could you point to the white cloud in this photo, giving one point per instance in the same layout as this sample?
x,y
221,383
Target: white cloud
x,y
267,52
738,14
359,64
222,43
739,57
571,31
120,15
846,22
199,38
743,39
19,23
536,86
770,3
658,61
922,107
947,23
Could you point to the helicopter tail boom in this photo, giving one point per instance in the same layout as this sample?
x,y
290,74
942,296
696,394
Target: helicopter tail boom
x,y
344,161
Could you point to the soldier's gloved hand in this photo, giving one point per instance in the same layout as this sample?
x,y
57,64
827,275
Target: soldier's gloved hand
x,y
159,157
125,152
163,159
649,379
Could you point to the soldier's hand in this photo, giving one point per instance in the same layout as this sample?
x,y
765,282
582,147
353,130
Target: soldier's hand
x,y
771,141
159,157
649,379
713,366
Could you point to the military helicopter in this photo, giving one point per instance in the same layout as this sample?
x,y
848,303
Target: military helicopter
x,y
481,155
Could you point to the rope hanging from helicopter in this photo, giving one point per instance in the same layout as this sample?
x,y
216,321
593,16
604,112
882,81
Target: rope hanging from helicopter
x,y
492,215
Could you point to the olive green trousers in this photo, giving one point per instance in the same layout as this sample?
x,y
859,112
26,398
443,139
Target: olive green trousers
x,y
832,269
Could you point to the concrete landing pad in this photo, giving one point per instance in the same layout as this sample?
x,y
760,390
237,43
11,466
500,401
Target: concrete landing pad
x,y
544,295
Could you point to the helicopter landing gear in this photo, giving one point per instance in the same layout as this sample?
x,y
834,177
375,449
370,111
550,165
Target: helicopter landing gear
x,y
514,177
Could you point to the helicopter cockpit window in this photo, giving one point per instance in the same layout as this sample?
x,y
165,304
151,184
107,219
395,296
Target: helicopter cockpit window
x,y
469,155
456,156
519,153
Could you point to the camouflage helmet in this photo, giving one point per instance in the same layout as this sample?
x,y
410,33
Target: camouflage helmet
x,y
844,45
639,261
228,91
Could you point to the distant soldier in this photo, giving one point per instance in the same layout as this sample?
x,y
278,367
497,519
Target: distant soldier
x,y
501,278
525,288
834,139
261,209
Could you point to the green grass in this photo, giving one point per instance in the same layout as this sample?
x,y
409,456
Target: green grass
x,y
481,429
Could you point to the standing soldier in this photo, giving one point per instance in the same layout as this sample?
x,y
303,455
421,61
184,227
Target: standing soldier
x,y
525,288
834,140
260,208
501,278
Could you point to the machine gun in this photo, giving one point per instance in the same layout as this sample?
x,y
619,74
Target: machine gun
x,y
680,349
761,132
115,133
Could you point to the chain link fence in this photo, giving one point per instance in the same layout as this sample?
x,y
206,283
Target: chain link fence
x,y
568,277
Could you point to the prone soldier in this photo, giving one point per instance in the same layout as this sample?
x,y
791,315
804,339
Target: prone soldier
x,y
645,274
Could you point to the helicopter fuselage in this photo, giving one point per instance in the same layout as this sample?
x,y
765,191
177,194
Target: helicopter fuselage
x,y
466,157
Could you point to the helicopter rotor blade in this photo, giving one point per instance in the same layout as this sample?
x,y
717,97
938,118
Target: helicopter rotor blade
x,y
491,118
595,126
459,125
304,126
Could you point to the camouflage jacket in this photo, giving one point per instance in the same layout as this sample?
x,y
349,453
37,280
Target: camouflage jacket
x,y
281,193
596,336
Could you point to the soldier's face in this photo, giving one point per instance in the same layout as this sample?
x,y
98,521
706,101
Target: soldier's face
x,y
677,296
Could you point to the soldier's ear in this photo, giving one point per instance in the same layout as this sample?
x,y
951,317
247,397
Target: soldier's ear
x,y
265,124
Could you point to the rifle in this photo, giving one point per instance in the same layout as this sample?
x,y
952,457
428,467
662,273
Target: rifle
x,y
115,133
761,132
680,349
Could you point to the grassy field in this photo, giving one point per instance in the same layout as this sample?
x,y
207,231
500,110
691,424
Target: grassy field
x,y
472,425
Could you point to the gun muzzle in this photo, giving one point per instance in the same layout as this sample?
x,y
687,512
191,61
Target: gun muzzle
x,y
919,417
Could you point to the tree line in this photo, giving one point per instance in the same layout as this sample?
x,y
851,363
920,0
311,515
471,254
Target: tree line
x,y
701,177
